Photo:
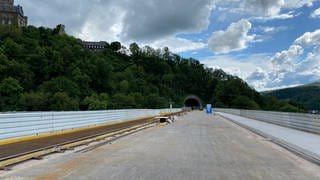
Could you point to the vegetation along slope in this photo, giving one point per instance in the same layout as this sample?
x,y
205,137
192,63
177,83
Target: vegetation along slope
x,y
41,70
308,95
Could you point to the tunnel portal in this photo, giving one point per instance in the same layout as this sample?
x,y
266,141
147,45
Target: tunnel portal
x,y
192,102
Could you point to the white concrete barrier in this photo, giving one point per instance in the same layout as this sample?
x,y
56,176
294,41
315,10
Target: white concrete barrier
x,y
300,121
19,124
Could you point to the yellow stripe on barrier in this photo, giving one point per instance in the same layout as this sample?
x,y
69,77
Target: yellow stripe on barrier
x,y
50,134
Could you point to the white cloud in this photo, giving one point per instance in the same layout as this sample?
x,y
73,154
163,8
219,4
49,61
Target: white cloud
x,y
146,22
262,7
258,79
89,19
154,19
177,45
265,72
270,29
259,73
285,69
240,66
235,38
284,61
255,8
288,15
100,26
311,65
315,13
273,9
293,4
309,38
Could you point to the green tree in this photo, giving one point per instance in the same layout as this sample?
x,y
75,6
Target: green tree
x,y
123,86
82,80
100,72
10,94
97,102
166,53
155,101
122,101
134,49
138,99
149,51
35,101
12,32
115,46
12,48
243,102
289,108
61,84
61,101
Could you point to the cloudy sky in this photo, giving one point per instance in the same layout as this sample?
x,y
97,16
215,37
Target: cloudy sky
x,y
268,43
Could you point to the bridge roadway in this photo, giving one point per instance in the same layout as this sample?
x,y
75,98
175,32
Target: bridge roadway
x,y
196,146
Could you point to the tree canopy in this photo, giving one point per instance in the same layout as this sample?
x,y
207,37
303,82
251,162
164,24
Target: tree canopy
x,y
42,70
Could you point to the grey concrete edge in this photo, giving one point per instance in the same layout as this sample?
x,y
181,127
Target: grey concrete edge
x,y
308,155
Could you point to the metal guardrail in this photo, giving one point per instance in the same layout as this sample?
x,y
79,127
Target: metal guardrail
x,y
300,121
13,125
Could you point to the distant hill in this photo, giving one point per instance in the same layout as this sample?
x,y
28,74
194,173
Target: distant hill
x,y
316,84
307,95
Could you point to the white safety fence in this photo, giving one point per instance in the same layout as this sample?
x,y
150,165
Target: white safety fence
x,y
300,121
21,124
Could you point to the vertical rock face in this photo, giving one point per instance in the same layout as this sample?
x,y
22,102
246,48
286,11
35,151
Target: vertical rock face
x,y
11,14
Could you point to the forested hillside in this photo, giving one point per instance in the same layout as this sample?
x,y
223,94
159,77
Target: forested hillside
x,y
41,70
307,95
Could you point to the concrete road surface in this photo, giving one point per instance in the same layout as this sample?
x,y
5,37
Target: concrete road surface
x,y
303,141
197,146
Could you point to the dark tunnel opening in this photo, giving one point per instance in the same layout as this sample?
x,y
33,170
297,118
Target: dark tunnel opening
x,y
192,102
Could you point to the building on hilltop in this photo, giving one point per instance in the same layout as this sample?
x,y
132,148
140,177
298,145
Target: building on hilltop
x,y
94,46
11,14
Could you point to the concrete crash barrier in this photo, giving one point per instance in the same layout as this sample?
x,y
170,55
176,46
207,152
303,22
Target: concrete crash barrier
x,y
300,121
27,124
16,150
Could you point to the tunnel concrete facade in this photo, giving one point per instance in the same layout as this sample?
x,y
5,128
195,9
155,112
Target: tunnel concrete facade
x,y
192,102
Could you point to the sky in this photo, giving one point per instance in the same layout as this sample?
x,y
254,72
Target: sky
x,y
268,43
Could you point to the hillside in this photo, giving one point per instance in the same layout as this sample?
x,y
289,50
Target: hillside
x,y
315,84
41,70
308,95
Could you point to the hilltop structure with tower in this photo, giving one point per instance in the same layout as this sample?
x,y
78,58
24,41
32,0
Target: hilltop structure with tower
x,y
12,14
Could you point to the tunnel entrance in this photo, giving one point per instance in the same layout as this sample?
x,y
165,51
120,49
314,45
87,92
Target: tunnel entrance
x,y
192,102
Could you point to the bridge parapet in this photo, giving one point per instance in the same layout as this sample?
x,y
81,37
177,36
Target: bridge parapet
x,y
20,124
300,121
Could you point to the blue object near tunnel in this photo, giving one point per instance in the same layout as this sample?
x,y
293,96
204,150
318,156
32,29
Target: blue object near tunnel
x,y
209,109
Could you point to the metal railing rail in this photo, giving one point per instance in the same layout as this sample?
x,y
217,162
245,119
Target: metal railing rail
x,y
299,121
19,124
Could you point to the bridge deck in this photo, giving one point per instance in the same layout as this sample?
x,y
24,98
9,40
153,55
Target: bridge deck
x,y
196,146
